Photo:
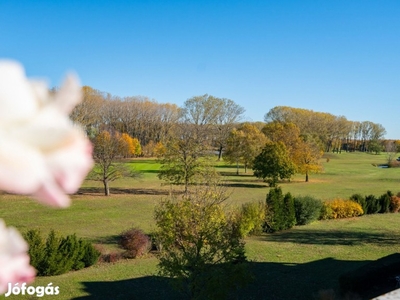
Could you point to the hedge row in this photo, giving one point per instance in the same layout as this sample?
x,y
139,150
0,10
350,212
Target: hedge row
x,y
283,211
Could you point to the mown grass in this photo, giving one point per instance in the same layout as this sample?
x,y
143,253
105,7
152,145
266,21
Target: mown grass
x,y
294,264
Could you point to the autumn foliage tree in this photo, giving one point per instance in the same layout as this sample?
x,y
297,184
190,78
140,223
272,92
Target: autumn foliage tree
x,y
108,148
307,156
130,146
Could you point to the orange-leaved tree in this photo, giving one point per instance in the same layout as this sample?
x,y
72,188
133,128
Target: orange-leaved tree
x,y
130,146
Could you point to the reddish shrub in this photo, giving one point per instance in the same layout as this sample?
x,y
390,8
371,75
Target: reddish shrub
x,y
394,204
135,242
110,257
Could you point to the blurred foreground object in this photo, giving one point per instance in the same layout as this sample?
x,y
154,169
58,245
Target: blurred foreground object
x,y
42,153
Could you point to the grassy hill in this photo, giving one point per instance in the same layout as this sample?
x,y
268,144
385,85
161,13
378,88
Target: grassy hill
x,y
295,264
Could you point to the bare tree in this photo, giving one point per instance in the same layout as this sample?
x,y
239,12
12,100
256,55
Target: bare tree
x,y
229,115
391,149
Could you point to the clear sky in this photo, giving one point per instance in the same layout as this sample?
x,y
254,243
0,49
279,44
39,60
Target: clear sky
x,y
341,57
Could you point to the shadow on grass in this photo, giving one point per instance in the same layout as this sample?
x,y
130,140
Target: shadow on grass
x,y
271,281
233,174
331,237
245,185
149,287
122,191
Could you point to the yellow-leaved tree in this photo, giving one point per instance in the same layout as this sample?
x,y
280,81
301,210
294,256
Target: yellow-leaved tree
x,y
306,156
130,146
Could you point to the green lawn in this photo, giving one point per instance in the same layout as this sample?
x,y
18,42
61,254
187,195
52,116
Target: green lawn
x,y
294,264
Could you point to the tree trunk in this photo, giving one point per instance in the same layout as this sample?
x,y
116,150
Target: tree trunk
x,y
220,153
106,188
237,167
306,176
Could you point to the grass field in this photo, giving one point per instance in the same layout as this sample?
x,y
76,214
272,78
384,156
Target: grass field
x,y
294,264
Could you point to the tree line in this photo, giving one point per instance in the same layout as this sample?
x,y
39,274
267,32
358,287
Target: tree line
x,y
334,133
292,140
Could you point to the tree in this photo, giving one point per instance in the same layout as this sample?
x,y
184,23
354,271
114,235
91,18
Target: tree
x,y
306,157
327,129
243,145
273,163
188,147
287,133
201,246
107,149
130,146
391,148
180,162
87,113
228,115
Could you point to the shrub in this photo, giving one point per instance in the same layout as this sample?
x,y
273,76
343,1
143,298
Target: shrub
x,y
360,199
36,247
201,248
135,242
111,257
90,253
280,212
251,218
339,208
57,255
326,212
394,204
289,215
307,209
384,202
373,204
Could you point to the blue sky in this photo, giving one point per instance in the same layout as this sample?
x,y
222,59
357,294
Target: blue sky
x,y
341,57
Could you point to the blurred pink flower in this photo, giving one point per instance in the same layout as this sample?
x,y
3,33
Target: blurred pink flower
x,y
14,260
42,153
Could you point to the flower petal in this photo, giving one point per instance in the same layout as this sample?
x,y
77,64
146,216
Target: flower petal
x,y
69,165
51,194
69,95
22,168
17,101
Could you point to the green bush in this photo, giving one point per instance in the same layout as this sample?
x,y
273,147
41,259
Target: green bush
x,y
326,212
251,218
36,247
289,215
57,255
373,204
360,199
280,212
384,202
307,209
89,257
